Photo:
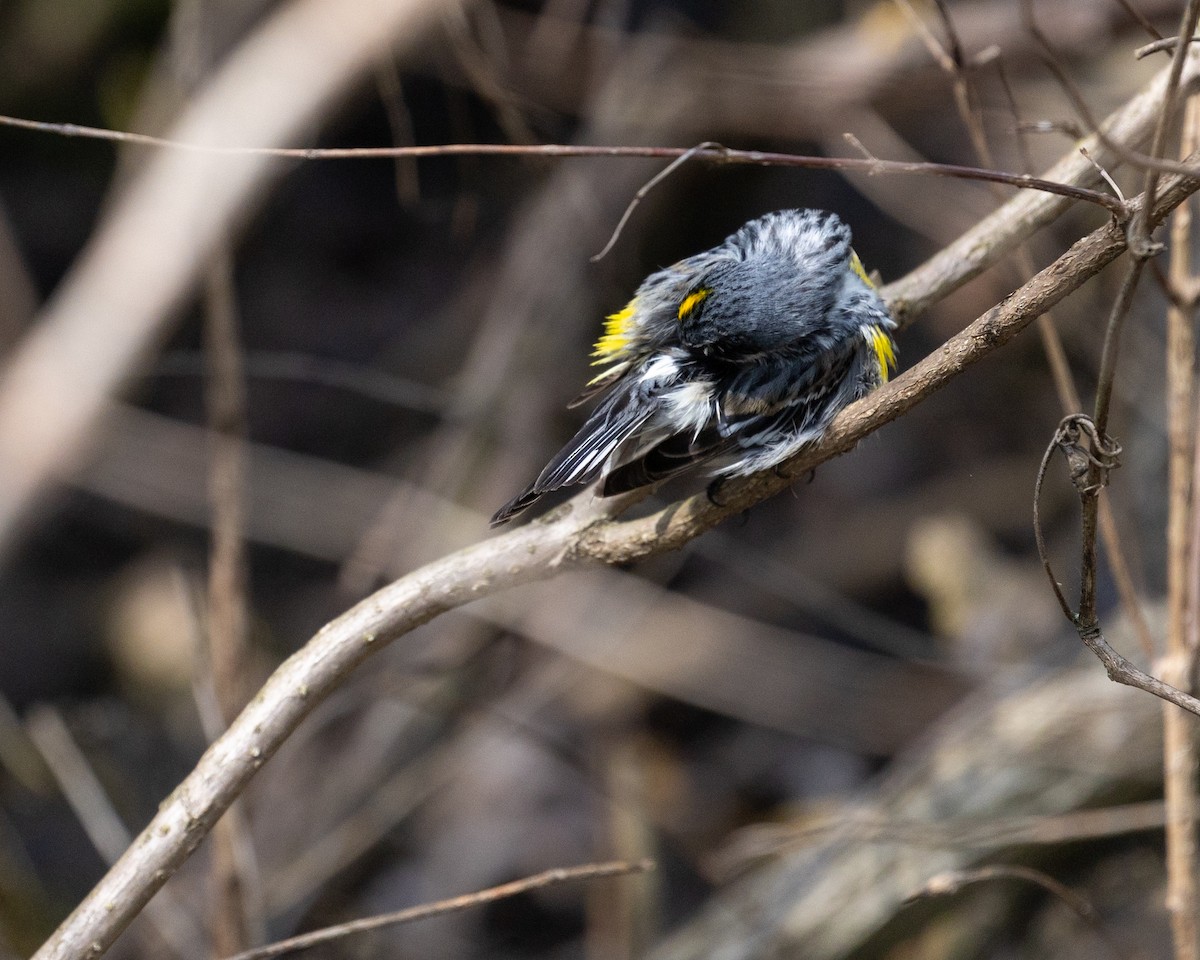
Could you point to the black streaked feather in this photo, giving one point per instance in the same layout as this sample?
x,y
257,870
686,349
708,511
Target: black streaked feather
x,y
616,419
597,386
518,504
675,455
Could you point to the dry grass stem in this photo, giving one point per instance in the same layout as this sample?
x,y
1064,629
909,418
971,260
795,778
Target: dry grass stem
x,y
1179,667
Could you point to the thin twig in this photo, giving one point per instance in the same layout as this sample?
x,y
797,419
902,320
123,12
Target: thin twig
x,y
399,120
1166,120
1086,618
647,187
717,154
1104,175
1152,161
1112,343
949,883
1038,536
1193,606
955,42
559,875
1121,670
225,396
961,87
948,61
1141,18
1158,46
1030,126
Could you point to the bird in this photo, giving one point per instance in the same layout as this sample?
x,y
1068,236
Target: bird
x,y
729,361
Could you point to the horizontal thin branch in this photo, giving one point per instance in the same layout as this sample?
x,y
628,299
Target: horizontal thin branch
x,y
713,154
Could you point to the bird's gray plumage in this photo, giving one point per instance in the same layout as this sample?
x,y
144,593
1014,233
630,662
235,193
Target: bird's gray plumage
x,y
734,359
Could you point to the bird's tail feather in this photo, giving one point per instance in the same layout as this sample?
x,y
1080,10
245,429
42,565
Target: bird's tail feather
x,y
585,456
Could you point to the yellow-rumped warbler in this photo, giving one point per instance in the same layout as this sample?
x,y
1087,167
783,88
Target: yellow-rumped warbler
x,y
734,358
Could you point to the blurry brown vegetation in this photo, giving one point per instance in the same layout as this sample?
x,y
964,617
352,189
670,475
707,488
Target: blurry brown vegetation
x,y
234,412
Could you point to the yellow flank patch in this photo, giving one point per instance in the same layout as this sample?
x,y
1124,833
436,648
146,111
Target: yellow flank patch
x,y
691,301
885,351
857,266
617,331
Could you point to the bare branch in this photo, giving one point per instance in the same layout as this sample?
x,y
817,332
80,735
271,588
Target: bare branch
x,y
227,615
1038,534
1151,162
559,875
1131,8
1187,27
711,152
647,187
945,884
1179,667
1158,46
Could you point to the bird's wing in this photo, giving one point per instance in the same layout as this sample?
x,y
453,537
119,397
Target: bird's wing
x,y
618,418
759,407
674,455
